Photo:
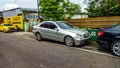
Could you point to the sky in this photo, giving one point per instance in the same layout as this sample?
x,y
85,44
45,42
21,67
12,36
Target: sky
x,y
32,3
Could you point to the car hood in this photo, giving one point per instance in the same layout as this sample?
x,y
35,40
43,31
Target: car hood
x,y
77,31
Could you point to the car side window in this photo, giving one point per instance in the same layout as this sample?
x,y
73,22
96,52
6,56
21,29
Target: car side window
x,y
52,26
48,25
45,25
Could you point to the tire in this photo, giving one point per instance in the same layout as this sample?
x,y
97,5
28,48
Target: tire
x,y
115,48
38,37
69,41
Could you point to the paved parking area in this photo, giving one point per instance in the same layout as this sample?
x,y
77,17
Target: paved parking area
x,y
88,48
21,52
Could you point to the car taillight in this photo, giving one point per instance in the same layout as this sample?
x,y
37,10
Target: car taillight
x,y
100,33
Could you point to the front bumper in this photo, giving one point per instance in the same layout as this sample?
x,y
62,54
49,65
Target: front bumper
x,y
80,42
9,30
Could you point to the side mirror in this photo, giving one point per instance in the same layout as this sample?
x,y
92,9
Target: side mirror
x,y
56,29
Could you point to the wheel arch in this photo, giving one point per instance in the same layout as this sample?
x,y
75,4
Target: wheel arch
x,y
73,44
37,33
66,36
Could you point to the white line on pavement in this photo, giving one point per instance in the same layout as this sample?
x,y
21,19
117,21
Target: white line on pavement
x,y
96,52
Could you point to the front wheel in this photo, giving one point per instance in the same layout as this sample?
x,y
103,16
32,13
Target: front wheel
x,y
38,37
69,41
115,48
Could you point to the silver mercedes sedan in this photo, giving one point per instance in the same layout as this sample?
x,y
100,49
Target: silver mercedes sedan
x,y
61,31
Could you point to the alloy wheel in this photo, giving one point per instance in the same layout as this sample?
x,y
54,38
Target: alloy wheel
x,y
38,37
116,48
69,41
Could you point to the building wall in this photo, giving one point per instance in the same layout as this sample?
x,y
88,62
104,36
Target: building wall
x,y
14,12
31,16
17,17
1,18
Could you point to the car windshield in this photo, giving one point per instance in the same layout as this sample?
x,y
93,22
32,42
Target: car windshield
x,y
64,25
7,24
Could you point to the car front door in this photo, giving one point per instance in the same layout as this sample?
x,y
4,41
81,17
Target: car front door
x,y
49,31
44,30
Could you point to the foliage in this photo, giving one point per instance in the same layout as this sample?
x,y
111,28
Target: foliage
x,y
115,10
98,8
58,9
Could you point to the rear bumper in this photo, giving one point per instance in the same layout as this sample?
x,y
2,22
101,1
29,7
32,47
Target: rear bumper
x,y
34,32
103,43
12,30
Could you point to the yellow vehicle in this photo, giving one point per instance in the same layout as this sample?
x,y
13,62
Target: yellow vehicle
x,y
7,27
15,21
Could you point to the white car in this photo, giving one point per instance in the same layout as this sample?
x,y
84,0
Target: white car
x,y
60,31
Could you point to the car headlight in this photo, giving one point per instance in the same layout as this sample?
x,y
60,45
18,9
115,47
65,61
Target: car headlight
x,y
79,36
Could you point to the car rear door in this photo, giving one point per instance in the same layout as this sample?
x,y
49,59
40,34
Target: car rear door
x,y
52,33
44,30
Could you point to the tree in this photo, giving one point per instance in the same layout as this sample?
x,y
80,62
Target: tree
x,y
115,9
93,8
58,9
97,8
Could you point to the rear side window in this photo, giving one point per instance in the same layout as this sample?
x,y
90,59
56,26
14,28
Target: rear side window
x,y
48,25
45,25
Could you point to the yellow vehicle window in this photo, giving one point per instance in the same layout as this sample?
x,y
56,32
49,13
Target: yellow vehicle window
x,y
8,25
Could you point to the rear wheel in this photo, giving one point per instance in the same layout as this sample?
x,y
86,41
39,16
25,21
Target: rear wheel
x,y
69,41
115,48
38,37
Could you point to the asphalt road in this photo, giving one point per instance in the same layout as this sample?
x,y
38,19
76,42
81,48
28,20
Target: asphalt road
x,y
18,52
